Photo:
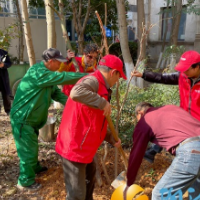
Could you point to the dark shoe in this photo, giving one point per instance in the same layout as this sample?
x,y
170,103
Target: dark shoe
x,y
151,152
33,187
149,156
43,169
157,148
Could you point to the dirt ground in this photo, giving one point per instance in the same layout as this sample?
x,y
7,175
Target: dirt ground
x,y
53,187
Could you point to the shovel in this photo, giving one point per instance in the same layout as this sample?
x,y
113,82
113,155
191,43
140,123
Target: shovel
x,y
121,178
120,181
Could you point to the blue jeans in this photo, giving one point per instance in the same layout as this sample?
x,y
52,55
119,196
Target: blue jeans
x,y
183,174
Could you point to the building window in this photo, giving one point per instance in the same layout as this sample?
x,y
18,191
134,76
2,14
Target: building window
x,y
7,8
38,13
167,25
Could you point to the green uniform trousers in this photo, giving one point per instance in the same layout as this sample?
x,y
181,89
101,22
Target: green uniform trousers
x,y
26,140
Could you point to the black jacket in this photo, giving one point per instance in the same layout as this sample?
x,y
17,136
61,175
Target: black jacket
x,y
4,77
168,78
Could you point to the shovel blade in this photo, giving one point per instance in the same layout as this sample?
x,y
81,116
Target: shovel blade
x,y
120,180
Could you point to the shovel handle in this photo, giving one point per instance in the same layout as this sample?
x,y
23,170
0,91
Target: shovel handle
x,y
114,133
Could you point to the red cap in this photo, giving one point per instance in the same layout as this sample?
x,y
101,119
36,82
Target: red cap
x,y
113,62
187,60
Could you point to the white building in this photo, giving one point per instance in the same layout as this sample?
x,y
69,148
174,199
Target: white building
x,y
38,29
189,28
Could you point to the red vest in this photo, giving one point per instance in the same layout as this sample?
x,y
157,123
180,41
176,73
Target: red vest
x,y
189,97
67,88
82,128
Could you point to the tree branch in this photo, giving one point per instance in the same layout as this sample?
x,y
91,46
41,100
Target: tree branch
x,y
143,37
103,33
87,15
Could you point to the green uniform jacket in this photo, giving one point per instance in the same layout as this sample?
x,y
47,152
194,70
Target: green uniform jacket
x,y
35,91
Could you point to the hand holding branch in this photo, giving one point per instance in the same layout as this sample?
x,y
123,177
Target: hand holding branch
x,y
136,73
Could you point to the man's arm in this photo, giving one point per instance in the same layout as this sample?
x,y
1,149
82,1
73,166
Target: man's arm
x,y
46,78
86,92
140,142
166,78
59,96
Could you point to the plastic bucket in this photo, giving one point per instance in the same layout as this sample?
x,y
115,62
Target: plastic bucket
x,y
46,133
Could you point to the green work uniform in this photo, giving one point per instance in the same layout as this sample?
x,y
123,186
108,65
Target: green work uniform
x,y
30,110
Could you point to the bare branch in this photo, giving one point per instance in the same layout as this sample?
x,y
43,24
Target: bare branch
x,y
103,33
145,32
74,16
55,10
87,15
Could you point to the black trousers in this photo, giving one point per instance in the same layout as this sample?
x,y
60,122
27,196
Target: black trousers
x,y
6,102
79,180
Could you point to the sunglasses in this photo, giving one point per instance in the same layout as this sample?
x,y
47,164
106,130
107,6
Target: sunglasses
x,y
92,57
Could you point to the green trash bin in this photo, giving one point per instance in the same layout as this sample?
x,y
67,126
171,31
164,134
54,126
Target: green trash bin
x,y
16,73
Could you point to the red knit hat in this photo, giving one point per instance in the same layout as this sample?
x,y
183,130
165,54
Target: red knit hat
x,y
187,60
113,62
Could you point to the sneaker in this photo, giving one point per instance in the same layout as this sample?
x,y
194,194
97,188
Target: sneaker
x,y
43,169
33,187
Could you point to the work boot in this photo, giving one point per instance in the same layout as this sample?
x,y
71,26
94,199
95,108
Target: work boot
x,y
151,152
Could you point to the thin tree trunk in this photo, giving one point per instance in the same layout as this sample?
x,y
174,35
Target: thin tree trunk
x,y
141,23
80,43
165,28
78,24
21,33
64,30
176,21
27,32
50,19
124,37
160,60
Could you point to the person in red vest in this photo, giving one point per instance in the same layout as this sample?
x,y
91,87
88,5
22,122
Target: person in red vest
x,y
84,126
188,79
87,63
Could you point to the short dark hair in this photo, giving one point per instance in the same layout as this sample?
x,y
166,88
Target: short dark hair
x,y
142,106
103,68
91,48
195,65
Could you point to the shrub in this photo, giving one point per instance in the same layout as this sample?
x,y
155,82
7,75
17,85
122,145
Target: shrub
x,y
156,94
